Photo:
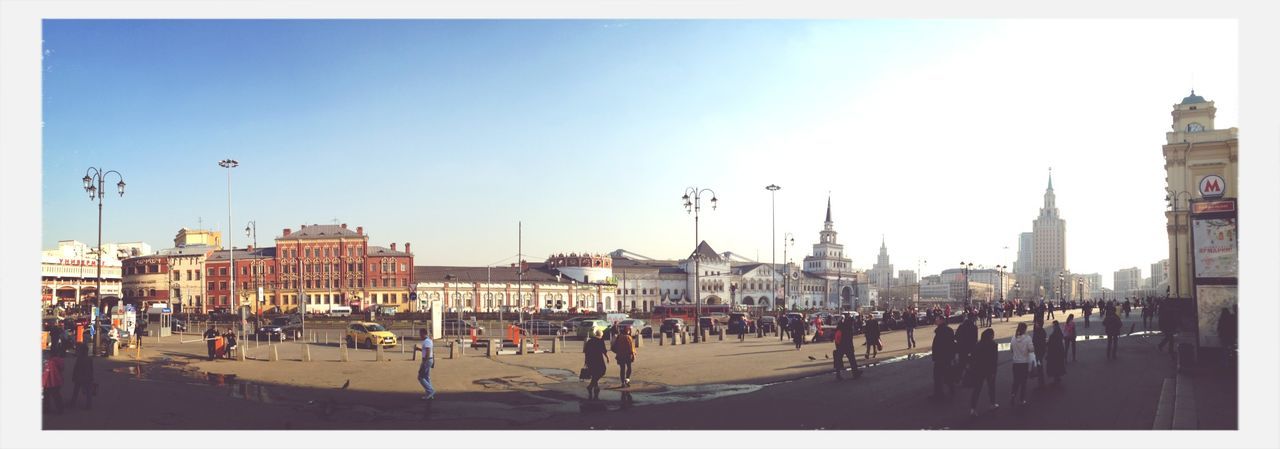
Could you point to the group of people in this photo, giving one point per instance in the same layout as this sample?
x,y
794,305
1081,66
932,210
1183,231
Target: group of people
x,y
596,359
221,346
963,358
51,379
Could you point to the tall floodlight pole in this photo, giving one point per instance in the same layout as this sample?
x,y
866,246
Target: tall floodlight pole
x,y
693,204
231,246
95,183
773,238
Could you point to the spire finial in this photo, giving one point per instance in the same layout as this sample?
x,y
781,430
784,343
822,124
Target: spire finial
x,y
1050,178
828,206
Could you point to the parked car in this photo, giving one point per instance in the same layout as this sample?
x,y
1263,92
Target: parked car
x,y
768,324
572,323
720,317
542,327
638,327
739,321
461,327
672,326
589,326
878,314
281,328
177,325
369,334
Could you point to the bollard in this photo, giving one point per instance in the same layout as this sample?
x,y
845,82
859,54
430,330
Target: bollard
x,y
306,353
684,338
721,332
640,341
275,354
555,345
662,337
240,353
494,346
702,336
453,349
759,332
378,355
345,356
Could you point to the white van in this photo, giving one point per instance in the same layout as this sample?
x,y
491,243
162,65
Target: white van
x,y
339,311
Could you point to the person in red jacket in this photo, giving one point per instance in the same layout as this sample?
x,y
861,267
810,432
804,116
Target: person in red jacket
x,y
51,380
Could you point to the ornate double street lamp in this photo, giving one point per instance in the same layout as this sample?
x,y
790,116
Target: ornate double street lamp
x,y
1062,286
773,240
1000,288
95,183
693,204
966,267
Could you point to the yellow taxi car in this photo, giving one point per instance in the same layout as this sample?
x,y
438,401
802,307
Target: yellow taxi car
x,y
368,334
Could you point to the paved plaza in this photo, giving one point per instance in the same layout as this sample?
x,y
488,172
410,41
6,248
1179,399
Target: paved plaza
x,y
759,383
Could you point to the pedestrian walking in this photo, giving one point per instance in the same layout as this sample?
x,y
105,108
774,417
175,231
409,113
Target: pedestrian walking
x,y
844,349
137,333
427,348
1055,362
1050,306
982,370
1039,341
595,362
943,358
742,330
966,338
1022,350
1112,326
785,325
1168,322
910,322
872,334
624,349
797,332
56,338
1069,337
211,338
1146,316
51,381
1127,308
82,377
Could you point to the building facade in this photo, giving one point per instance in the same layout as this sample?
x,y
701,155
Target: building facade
x,y
69,275
1195,148
1024,264
1049,241
146,280
881,273
563,283
1126,281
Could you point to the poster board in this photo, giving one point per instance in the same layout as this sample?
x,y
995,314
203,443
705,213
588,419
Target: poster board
x,y
1215,249
1210,300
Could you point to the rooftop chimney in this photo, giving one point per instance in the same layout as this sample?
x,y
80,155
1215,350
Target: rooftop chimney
x,y
360,230
393,246
250,248
287,231
406,247
344,226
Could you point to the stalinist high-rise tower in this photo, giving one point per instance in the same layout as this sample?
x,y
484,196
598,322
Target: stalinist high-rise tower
x,y
1049,248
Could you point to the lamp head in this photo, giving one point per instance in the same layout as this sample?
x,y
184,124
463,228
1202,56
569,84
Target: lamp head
x,y
120,187
87,181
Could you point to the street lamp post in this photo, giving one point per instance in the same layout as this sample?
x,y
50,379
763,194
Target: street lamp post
x,y
773,238
1000,287
231,251
966,267
919,280
787,241
694,205
1062,286
95,183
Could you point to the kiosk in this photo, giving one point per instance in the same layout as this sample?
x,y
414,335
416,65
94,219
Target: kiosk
x,y
159,320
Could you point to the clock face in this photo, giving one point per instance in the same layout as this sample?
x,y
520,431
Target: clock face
x,y
1195,127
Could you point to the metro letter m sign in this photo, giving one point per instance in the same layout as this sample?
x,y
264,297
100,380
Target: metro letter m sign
x,y
1212,186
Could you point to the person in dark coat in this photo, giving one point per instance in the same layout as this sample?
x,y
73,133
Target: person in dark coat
x,y
1112,326
82,377
944,340
872,343
844,349
966,338
1227,329
910,322
1039,341
209,338
1055,362
596,362
982,370
784,326
1039,312
797,332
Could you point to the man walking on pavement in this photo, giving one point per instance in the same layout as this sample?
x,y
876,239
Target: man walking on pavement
x,y
424,368
910,323
943,358
966,338
1112,326
844,349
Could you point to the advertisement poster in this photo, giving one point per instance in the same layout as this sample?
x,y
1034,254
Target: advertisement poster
x,y
1210,300
1215,247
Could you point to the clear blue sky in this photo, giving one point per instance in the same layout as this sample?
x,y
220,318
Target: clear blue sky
x,y
446,133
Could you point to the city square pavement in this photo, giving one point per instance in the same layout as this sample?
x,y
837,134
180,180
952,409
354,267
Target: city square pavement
x,y
759,383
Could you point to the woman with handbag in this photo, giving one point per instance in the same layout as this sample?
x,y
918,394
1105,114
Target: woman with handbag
x,y
1021,349
982,369
1056,355
596,361
624,349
